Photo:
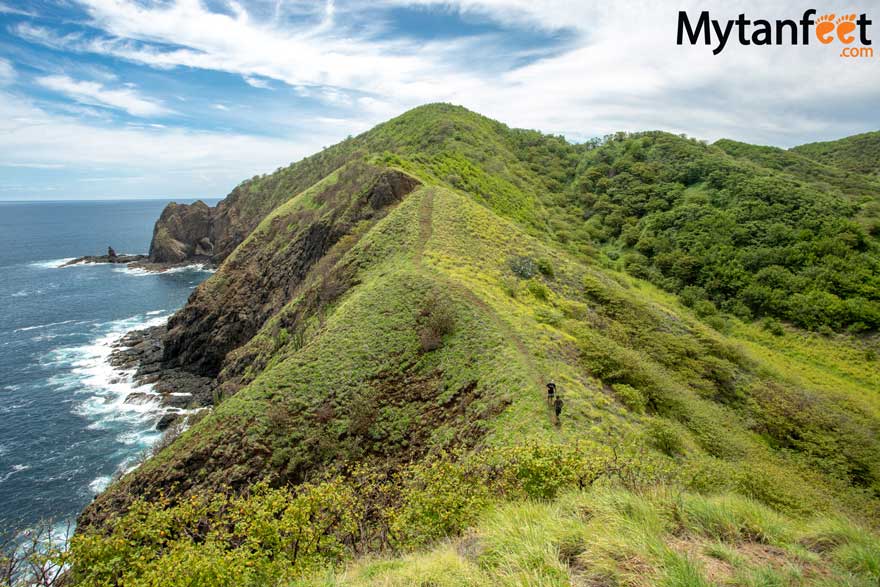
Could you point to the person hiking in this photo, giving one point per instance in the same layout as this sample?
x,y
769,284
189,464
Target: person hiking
x,y
551,392
557,407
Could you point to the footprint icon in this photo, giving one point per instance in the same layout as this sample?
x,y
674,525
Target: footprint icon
x,y
824,27
845,26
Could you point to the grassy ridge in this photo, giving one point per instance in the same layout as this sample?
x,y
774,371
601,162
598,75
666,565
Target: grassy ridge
x,y
432,329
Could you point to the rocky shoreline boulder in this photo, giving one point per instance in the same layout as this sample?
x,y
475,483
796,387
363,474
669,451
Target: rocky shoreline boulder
x,y
108,258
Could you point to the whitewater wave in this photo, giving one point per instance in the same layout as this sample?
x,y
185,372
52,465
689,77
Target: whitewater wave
x,y
49,325
109,397
99,484
140,272
15,469
28,292
52,263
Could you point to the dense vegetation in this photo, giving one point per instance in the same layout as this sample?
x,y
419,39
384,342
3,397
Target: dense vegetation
x,y
391,403
858,153
732,236
750,231
544,515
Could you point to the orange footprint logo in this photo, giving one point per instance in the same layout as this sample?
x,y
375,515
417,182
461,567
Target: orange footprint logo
x,y
824,27
845,26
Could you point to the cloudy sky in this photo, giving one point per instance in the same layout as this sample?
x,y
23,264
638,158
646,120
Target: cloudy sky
x,y
185,98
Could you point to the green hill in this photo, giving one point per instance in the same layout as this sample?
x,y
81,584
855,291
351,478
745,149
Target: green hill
x,y
381,340
858,153
832,172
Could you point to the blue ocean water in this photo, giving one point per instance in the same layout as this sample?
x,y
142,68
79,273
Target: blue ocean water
x,y
65,427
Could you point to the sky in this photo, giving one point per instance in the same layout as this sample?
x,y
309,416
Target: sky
x,y
186,98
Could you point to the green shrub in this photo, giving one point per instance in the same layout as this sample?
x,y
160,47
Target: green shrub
x,y
523,267
631,397
575,310
438,320
773,327
510,286
539,290
774,487
704,308
550,316
439,499
717,323
665,437
690,295
545,267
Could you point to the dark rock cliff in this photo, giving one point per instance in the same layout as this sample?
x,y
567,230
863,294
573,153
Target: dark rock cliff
x,y
263,274
196,232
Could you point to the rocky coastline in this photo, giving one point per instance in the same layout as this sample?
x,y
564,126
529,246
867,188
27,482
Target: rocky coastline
x,y
116,259
140,262
140,352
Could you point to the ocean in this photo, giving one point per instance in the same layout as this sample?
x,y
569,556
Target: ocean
x,y
65,427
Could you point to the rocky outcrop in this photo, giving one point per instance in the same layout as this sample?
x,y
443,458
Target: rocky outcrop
x,y
198,233
184,232
120,259
141,351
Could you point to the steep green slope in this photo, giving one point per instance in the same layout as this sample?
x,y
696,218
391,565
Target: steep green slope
x,y
386,351
858,153
728,234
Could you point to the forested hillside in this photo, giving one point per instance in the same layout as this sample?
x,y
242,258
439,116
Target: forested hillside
x,y
858,153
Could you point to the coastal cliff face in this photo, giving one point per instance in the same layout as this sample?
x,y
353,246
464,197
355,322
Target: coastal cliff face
x,y
196,233
183,232
268,268
199,233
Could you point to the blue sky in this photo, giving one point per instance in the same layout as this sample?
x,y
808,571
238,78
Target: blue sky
x,y
185,98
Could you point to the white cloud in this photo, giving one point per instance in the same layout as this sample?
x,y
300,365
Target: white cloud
x,y
94,93
7,72
174,162
623,71
257,82
28,165
6,9
619,70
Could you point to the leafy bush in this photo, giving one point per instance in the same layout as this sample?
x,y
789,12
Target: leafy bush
x,y
773,327
539,290
550,316
631,397
523,267
545,267
664,437
438,320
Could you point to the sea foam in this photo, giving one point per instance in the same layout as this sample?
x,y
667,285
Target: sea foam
x,y
109,397
140,272
52,263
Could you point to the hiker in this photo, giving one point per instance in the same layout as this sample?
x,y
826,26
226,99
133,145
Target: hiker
x,y
551,392
557,407
111,253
